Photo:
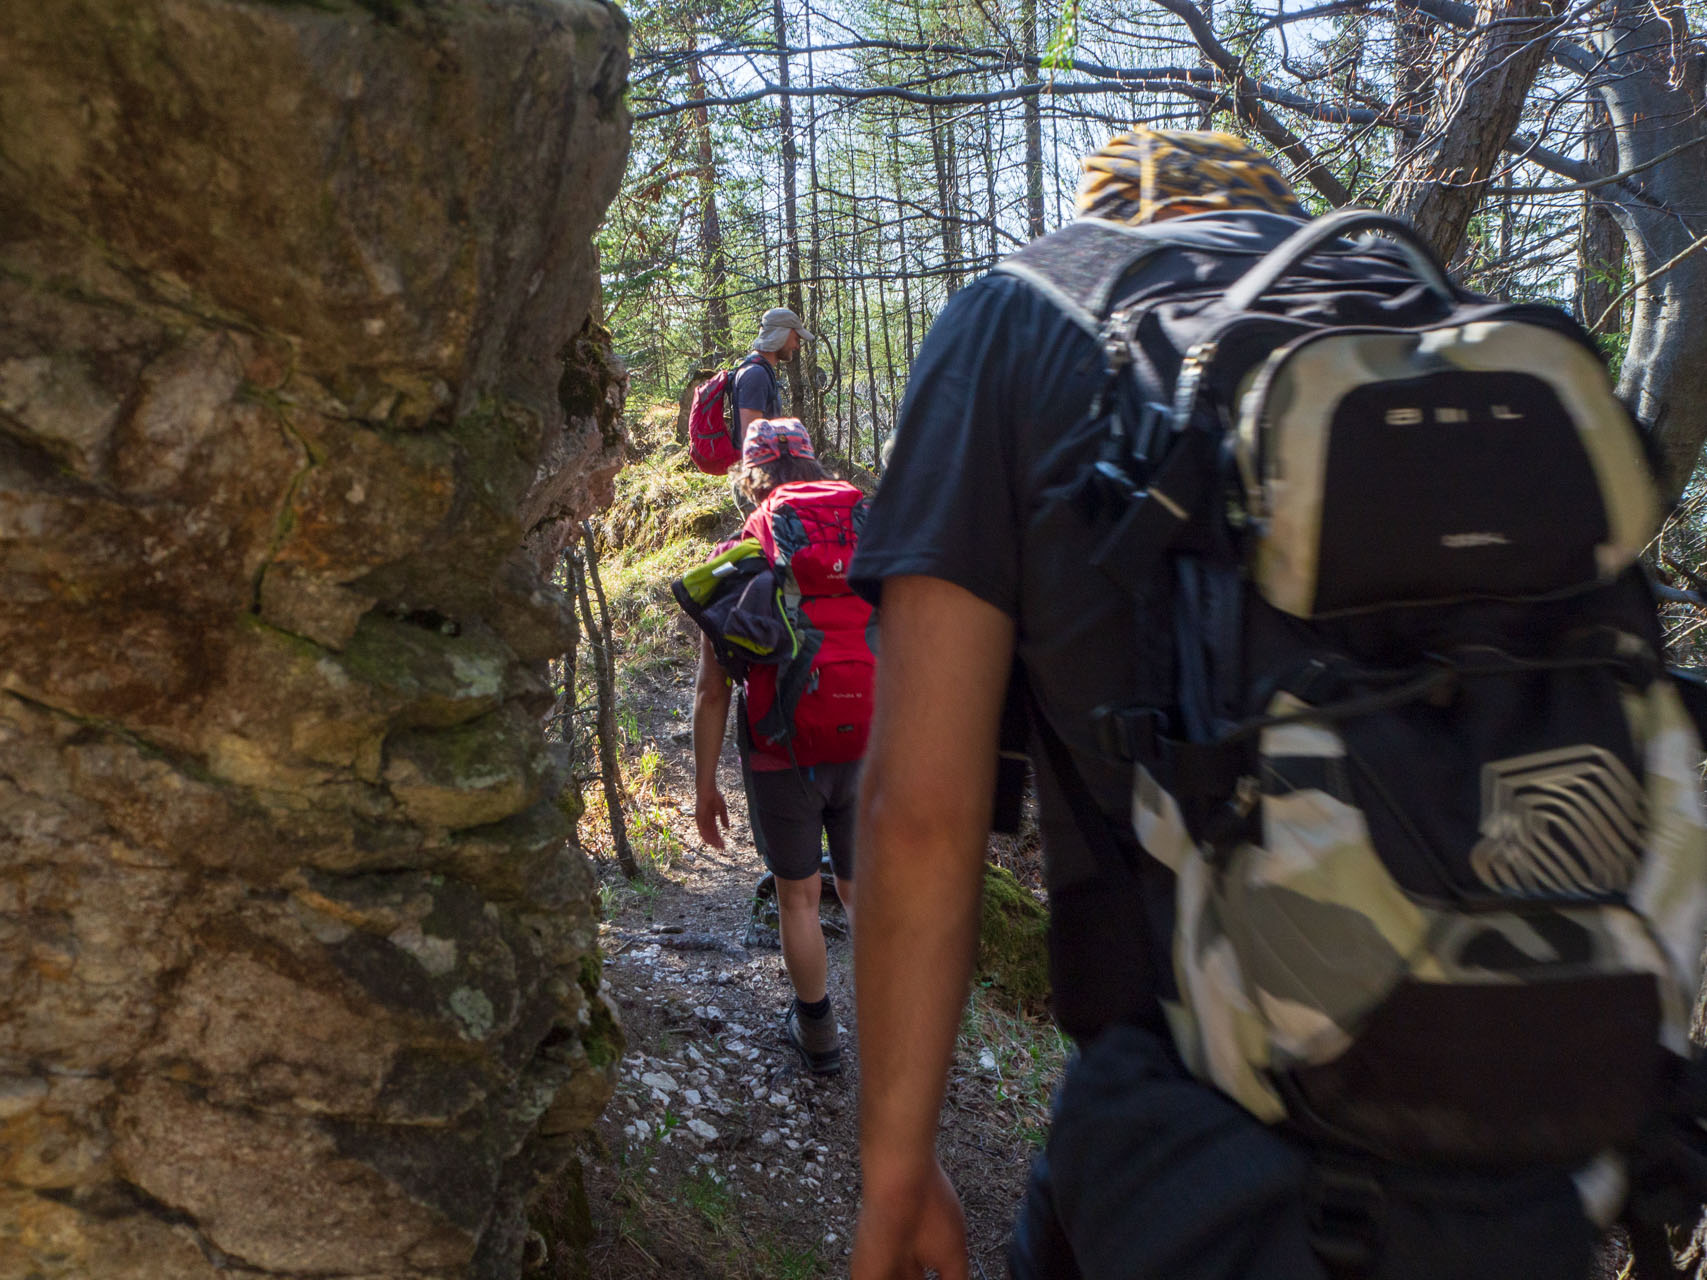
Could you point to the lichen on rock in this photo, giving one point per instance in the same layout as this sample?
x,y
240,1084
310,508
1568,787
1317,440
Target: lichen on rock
x,y
293,928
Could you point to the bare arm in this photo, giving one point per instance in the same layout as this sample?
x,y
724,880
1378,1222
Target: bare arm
x,y
711,694
748,416
924,820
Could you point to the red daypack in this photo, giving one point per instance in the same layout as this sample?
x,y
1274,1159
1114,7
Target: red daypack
x,y
815,708
711,422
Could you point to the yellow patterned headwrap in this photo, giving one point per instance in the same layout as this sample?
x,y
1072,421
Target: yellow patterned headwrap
x,y
1181,171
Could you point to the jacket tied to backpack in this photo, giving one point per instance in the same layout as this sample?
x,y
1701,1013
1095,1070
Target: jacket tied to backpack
x,y
1431,800
782,619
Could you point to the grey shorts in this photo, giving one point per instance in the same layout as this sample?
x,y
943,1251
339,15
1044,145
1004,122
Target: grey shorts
x,y
793,810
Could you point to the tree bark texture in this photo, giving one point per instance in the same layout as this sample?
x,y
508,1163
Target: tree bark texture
x,y
1600,243
1443,178
948,223
1033,121
799,399
1415,45
816,378
584,569
1653,92
715,336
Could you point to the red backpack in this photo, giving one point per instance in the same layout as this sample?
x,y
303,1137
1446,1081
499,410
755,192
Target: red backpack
x,y
815,708
711,422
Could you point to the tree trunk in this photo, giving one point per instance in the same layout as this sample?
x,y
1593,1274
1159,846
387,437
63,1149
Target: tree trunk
x,y
870,364
814,258
991,151
888,369
942,156
906,259
1206,109
1600,243
715,333
798,399
856,264
581,569
1656,105
1033,121
1443,179
1415,42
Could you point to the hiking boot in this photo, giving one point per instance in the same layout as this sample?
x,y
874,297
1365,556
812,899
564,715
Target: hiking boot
x,y
817,1040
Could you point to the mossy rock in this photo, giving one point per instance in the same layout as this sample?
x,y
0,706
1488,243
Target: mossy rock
x,y
562,1217
1013,951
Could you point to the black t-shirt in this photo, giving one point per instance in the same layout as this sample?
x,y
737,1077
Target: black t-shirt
x,y
995,426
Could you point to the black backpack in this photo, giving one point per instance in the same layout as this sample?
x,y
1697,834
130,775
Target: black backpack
x,y
1431,799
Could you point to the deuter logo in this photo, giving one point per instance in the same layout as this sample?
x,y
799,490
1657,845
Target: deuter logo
x,y
1568,823
1415,416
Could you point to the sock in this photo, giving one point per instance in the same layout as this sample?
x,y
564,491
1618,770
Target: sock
x,y
817,1010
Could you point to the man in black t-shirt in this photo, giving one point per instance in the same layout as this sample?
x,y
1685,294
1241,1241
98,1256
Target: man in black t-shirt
x,y
973,562
977,557
757,394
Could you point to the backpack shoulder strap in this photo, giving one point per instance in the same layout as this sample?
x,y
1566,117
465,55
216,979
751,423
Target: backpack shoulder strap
x,y
757,527
756,358
752,357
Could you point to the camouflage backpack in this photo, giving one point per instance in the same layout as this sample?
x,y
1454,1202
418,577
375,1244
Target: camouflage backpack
x,y
1431,800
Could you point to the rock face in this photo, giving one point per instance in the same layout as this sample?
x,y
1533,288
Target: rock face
x,y
296,947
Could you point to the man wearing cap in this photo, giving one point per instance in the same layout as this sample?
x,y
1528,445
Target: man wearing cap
x,y
800,772
757,393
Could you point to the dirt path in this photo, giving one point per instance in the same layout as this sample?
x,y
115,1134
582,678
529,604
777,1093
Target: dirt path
x,y
720,1156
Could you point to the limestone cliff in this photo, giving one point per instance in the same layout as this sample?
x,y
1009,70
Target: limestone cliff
x,y
296,966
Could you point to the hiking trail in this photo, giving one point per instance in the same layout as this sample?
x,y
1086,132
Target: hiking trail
x,y
720,1155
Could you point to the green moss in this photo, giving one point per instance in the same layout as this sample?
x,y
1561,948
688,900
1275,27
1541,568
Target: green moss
x,y
472,755
662,500
570,802
603,1038
501,442
449,678
579,392
1013,954
562,1216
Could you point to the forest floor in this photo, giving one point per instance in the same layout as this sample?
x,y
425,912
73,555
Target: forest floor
x,y
720,1156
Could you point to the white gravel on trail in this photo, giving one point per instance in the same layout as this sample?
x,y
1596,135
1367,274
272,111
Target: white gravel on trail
x,y
710,1089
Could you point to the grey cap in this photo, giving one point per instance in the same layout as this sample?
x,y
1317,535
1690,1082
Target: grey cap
x,y
774,327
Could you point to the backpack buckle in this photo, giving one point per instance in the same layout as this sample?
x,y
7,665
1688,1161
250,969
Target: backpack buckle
x,y
1155,423
1344,1208
1131,735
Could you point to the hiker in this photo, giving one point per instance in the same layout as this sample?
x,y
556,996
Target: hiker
x,y
802,725
1018,505
757,393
